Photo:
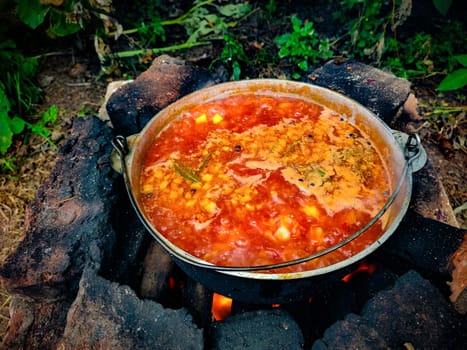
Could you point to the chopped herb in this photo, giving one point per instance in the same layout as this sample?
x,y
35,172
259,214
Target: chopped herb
x,y
321,172
204,163
292,146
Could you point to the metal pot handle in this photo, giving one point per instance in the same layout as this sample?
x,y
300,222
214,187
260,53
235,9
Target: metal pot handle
x,y
413,150
415,159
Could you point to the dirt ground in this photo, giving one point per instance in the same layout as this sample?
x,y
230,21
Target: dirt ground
x,y
73,89
69,83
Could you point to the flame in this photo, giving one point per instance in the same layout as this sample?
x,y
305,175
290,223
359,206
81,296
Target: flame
x,y
369,268
221,307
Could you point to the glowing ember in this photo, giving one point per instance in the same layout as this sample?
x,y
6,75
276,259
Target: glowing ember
x,y
362,267
221,307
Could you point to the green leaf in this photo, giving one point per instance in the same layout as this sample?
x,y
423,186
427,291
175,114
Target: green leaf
x,y
29,66
17,125
234,10
4,103
185,171
462,59
296,23
8,127
282,39
236,70
455,80
5,134
61,26
39,130
442,6
50,115
303,65
31,12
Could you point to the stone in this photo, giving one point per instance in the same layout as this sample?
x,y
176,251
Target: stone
x,y
412,314
198,300
458,285
111,88
424,244
132,105
67,223
112,317
158,266
258,330
35,325
381,92
131,241
350,333
430,198
415,311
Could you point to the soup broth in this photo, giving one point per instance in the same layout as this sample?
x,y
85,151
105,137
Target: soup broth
x,y
251,180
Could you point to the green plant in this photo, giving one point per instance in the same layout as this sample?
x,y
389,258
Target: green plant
x,y
372,27
303,46
60,17
204,22
447,122
8,164
46,119
18,91
411,58
456,79
233,56
366,23
9,125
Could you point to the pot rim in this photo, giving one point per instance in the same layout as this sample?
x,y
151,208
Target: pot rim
x,y
272,86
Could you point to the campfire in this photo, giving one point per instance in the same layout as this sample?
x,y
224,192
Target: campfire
x,y
88,275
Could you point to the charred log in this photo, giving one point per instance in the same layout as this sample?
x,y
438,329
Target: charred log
x,y
168,79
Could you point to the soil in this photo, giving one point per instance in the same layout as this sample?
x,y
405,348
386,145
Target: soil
x,y
69,82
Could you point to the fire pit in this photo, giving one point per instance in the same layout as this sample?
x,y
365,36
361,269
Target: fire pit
x,y
288,276
88,275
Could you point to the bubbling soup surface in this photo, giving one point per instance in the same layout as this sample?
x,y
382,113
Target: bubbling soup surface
x,y
252,180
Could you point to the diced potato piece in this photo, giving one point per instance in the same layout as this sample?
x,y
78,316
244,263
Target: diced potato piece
x,y
207,177
316,234
250,207
208,205
201,119
173,195
217,118
196,186
311,210
190,203
163,184
282,233
147,188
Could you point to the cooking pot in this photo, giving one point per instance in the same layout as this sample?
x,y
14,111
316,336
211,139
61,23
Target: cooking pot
x,y
402,153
